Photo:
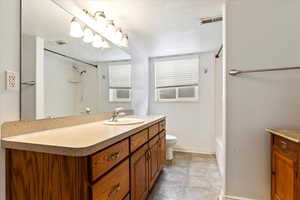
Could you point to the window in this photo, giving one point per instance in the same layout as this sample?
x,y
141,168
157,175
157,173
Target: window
x,y
177,79
119,82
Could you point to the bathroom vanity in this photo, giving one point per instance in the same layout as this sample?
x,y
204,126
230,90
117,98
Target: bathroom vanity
x,y
285,148
91,161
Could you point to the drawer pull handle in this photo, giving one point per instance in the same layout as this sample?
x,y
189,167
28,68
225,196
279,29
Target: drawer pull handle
x,y
114,156
283,145
116,189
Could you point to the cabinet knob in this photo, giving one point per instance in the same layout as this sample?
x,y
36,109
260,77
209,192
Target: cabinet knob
x,y
116,189
114,156
283,145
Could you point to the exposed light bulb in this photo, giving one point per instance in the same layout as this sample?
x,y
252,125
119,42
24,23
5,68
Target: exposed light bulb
x,y
105,44
118,35
97,41
75,29
110,30
88,35
124,41
100,19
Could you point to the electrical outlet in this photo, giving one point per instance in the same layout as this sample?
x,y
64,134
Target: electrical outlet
x,y
11,80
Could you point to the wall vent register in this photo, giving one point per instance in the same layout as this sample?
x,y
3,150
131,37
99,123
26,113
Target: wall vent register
x,y
177,79
119,82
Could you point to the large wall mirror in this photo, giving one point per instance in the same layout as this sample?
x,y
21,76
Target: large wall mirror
x,y
63,75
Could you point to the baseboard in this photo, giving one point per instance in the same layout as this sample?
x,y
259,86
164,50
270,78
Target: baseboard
x,y
227,197
191,150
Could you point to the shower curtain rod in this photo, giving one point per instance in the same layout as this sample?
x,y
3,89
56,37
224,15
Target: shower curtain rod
x,y
69,57
219,52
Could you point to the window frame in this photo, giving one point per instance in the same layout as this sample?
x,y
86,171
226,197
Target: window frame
x,y
113,95
176,99
112,91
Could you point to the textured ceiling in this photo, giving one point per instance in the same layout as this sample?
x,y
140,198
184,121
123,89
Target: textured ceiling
x,y
157,27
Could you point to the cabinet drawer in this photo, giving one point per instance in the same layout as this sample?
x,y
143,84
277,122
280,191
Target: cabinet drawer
x,y
162,125
103,161
127,197
138,139
162,134
153,141
113,186
153,130
285,146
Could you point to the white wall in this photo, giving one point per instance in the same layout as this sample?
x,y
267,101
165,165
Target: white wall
x,y
9,60
28,74
140,77
220,136
64,87
39,78
32,70
259,34
193,123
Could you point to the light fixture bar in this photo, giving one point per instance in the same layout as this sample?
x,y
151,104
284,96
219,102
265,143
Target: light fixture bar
x,y
89,20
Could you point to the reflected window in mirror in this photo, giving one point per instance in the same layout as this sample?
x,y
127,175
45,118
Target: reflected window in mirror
x,y
120,82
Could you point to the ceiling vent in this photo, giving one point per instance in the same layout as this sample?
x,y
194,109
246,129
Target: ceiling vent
x,y
208,20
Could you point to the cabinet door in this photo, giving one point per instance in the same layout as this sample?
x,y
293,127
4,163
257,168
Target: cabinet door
x,y
154,160
162,150
283,176
139,174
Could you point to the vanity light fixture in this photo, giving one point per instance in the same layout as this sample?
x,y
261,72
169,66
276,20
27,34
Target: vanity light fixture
x,y
88,35
95,27
118,35
105,44
75,29
110,30
124,41
100,19
97,41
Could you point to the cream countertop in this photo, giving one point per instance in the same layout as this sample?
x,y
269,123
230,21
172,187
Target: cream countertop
x,y
80,140
293,135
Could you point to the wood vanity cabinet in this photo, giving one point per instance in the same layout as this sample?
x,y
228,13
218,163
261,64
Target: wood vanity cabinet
x,y
154,160
285,168
162,149
139,174
126,170
147,163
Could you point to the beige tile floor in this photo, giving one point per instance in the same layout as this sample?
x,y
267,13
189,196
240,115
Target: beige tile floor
x,y
188,177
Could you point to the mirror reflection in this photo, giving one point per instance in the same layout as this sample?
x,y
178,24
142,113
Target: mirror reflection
x,y
66,74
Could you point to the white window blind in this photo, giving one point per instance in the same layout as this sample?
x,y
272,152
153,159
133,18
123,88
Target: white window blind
x,y
120,76
176,72
119,82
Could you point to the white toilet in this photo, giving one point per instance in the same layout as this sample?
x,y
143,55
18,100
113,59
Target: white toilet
x,y
171,142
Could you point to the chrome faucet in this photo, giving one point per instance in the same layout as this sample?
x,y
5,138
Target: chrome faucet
x,y
117,113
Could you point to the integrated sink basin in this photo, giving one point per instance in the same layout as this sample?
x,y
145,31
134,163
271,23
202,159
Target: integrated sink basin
x,y
124,121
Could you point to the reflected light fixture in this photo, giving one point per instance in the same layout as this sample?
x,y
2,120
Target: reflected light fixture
x,y
100,19
97,30
118,35
124,41
110,30
105,44
75,29
88,35
97,41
